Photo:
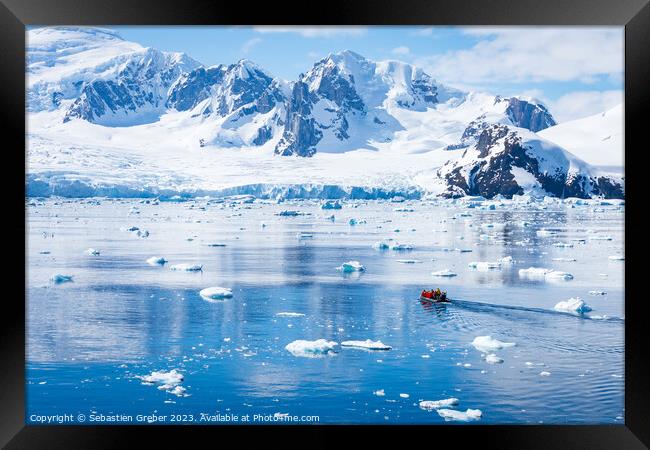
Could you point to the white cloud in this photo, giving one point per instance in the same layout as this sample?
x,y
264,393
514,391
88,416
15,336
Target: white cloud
x,y
424,32
315,32
403,51
525,54
576,105
248,45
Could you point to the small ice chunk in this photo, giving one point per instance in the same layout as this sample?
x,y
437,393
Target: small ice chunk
x,y
215,293
559,275
599,237
311,349
156,261
451,414
216,244
92,252
545,374
572,305
288,213
487,344
351,266
534,272
404,395
58,278
597,293
562,245
381,245
506,260
303,235
408,261
616,258
493,359
187,267
564,259
367,344
430,405
289,314
379,393
484,265
444,273
171,378
544,233
401,247
331,204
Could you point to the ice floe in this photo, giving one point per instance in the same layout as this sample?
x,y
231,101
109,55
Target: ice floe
x,y
616,258
408,261
487,344
351,266
311,349
493,359
572,305
545,374
92,252
451,414
444,273
543,273
597,293
156,261
289,314
484,265
430,405
167,381
187,267
506,260
401,247
59,278
331,204
381,245
215,293
367,344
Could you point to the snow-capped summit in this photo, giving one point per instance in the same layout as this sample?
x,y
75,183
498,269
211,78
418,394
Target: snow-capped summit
x,y
506,160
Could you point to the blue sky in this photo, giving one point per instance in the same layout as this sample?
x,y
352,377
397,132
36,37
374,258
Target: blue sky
x,y
576,70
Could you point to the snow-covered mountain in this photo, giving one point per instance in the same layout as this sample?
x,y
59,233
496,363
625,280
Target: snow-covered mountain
x,y
388,123
597,139
506,160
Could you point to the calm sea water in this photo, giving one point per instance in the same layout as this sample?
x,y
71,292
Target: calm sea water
x,y
120,318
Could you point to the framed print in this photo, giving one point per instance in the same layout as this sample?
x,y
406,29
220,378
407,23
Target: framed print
x,y
364,218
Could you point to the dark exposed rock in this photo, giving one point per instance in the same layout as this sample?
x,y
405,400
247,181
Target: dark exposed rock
x,y
532,116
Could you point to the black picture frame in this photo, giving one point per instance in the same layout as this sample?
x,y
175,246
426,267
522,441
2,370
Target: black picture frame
x,y
15,15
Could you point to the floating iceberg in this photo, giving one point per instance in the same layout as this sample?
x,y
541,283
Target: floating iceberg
x,y
351,266
483,265
487,344
381,245
451,414
289,213
311,349
92,252
548,274
58,278
156,261
430,405
187,267
572,305
444,273
600,237
401,247
289,314
367,344
558,275
167,381
172,377
215,293
493,359
331,204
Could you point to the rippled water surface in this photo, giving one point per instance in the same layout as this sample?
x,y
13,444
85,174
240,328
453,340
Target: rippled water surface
x,y
89,340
